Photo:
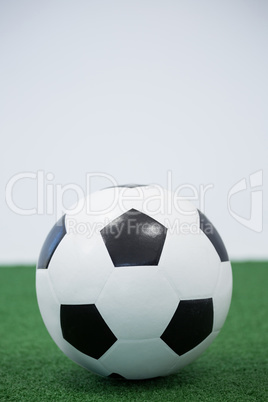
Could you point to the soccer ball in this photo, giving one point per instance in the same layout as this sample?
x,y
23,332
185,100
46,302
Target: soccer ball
x,y
133,283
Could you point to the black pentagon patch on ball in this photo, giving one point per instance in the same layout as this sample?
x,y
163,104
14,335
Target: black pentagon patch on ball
x,y
134,239
116,376
210,231
131,185
52,241
190,325
84,328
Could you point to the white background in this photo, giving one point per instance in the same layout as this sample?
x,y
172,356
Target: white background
x,y
133,89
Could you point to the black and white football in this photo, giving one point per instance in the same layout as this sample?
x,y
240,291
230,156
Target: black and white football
x,y
134,283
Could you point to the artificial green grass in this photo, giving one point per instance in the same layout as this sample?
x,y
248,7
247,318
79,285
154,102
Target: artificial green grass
x,y
234,367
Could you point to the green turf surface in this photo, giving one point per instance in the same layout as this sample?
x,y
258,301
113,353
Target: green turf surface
x,y
234,367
